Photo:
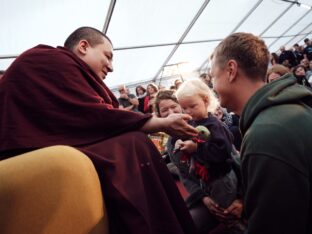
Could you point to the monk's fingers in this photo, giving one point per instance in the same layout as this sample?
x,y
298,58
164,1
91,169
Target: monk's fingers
x,y
186,117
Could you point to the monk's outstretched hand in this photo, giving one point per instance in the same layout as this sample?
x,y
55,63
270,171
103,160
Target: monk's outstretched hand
x,y
176,125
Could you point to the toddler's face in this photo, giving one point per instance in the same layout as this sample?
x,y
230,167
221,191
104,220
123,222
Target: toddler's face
x,y
196,106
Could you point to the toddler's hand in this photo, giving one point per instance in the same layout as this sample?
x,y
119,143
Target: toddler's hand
x,y
188,146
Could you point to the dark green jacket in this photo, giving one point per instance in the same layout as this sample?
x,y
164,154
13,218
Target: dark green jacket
x,y
276,124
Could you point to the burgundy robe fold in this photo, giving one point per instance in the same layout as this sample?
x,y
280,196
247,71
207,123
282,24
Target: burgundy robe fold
x,y
49,96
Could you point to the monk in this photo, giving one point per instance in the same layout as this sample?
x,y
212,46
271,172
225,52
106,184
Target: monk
x,y
52,96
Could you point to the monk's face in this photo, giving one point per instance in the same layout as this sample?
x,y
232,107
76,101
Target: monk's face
x,y
100,58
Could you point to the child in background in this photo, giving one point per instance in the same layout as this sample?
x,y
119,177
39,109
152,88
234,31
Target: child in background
x,y
232,122
213,181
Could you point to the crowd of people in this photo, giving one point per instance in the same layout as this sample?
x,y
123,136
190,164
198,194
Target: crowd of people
x,y
237,137
297,60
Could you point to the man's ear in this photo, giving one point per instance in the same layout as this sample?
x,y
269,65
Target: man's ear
x,y
232,70
82,47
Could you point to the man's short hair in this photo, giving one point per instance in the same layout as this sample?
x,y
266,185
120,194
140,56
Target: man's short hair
x,y
92,35
306,40
249,51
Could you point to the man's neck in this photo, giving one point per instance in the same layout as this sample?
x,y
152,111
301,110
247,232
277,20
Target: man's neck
x,y
248,90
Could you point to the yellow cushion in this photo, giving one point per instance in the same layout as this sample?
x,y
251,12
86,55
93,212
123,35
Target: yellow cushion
x,y
51,190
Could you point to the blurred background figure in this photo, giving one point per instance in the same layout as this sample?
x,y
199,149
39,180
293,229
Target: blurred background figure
x,y
173,88
300,73
276,71
273,59
127,101
207,79
287,57
232,122
307,52
141,94
298,52
152,91
305,62
177,83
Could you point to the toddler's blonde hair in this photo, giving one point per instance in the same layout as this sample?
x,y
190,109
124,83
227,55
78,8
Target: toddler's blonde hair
x,y
193,87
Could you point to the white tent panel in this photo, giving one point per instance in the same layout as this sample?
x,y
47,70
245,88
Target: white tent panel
x,y
4,63
156,27
294,31
285,23
145,22
25,24
136,65
193,54
269,41
219,19
306,33
262,17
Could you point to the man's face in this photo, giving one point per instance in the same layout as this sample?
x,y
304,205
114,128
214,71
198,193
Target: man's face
x,y
99,58
221,84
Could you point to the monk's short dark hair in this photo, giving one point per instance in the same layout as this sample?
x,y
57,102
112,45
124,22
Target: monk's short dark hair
x,y
92,35
248,50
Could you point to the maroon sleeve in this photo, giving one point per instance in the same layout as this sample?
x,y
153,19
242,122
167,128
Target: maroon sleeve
x,y
50,96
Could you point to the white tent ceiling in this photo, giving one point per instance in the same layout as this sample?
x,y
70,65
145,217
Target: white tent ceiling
x,y
149,35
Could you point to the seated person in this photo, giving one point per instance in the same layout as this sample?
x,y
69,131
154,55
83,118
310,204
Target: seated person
x,y
149,101
141,94
232,122
300,73
276,71
203,208
127,101
56,96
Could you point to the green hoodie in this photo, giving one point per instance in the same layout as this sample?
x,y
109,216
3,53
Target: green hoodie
x,y
276,125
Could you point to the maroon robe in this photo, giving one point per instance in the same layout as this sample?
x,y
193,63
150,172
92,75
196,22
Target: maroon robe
x,y
49,96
